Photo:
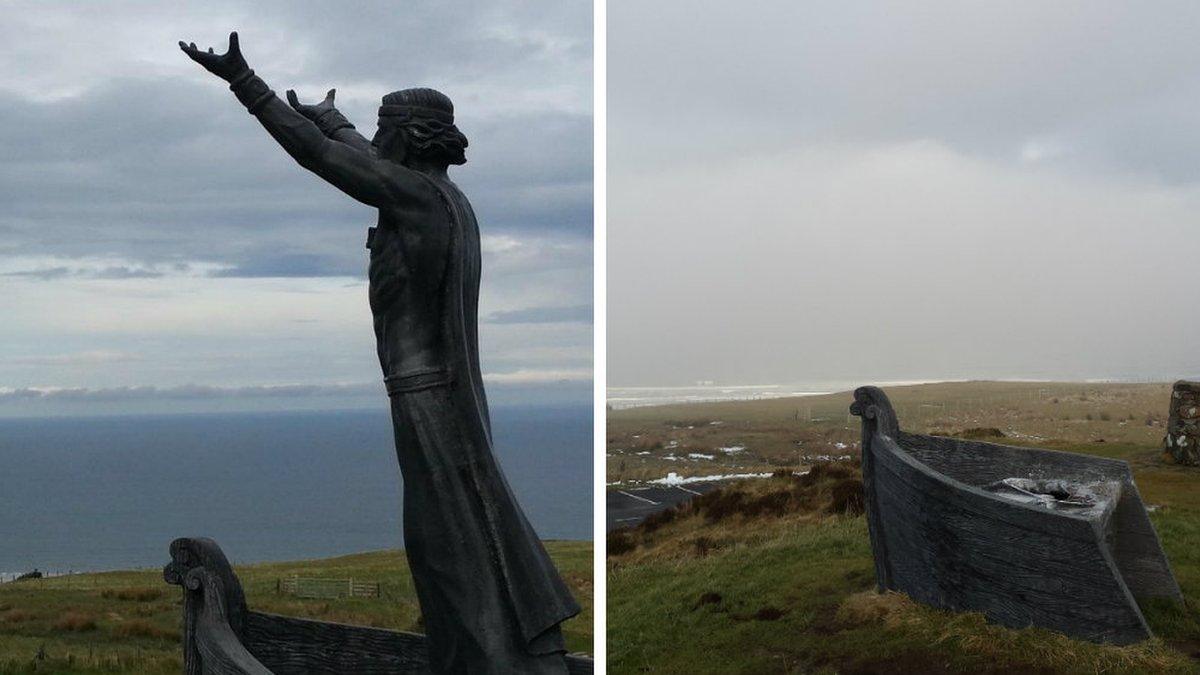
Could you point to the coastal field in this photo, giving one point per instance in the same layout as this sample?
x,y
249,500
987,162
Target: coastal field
x,y
128,621
775,575
759,436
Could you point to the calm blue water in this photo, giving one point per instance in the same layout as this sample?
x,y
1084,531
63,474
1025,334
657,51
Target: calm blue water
x,y
111,493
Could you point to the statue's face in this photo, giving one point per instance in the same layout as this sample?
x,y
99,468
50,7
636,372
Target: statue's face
x,y
390,143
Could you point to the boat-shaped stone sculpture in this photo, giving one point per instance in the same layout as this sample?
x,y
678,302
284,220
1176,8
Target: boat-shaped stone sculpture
x,y
222,636
1027,536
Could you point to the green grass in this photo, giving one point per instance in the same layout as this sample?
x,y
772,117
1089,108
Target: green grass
x,y
116,622
794,594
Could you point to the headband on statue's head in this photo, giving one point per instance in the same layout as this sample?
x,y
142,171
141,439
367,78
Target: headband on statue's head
x,y
402,113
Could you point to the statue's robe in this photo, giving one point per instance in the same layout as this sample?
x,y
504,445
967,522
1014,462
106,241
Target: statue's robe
x,y
491,598
473,554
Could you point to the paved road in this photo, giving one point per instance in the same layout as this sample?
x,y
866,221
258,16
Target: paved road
x,y
629,507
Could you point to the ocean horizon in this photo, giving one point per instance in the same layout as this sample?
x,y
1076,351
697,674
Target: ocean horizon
x,y
111,492
620,398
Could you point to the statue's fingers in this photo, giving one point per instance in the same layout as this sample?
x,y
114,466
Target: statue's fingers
x,y
190,50
210,51
291,97
329,96
233,42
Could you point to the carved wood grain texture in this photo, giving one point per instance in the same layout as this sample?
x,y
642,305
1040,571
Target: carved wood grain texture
x,y
964,551
939,538
291,646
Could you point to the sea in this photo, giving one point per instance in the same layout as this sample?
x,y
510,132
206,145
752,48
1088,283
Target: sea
x,y
619,398
102,493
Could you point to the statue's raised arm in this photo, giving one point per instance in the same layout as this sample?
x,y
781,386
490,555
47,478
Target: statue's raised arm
x,y
359,174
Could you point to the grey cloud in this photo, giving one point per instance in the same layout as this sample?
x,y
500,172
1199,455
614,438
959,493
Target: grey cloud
x,y
62,272
169,169
122,272
572,314
44,274
823,191
203,392
77,358
1114,81
290,265
134,393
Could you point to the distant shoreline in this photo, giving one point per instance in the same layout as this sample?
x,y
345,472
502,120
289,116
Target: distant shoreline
x,y
641,397
8,577
624,398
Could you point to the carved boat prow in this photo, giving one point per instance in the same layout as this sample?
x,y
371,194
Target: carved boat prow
x,y
1026,536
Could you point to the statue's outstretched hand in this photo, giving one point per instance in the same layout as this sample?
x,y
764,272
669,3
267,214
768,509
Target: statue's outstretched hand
x,y
226,66
314,111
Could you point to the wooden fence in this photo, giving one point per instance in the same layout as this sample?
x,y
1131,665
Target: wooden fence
x,y
303,587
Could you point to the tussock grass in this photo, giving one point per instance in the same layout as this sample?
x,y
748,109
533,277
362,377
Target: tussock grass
x,y
134,594
143,628
1026,648
17,616
726,517
75,621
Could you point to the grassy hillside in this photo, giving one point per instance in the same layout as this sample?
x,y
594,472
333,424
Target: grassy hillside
x,y
780,579
129,621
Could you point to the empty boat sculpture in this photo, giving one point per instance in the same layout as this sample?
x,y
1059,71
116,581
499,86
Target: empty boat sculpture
x,y
1024,535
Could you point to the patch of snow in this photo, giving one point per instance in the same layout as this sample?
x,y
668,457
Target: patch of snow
x,y
696,455
732,449
644,452
674,478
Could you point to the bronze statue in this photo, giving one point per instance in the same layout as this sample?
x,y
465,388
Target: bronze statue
x,y
491,598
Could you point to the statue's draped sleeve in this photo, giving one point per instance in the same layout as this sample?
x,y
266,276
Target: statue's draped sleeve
x,y
357,173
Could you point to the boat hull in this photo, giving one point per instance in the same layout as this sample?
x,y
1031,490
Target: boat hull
x,y
940,537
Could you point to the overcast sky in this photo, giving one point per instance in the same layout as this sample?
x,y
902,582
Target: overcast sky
x,y
157,248
813,191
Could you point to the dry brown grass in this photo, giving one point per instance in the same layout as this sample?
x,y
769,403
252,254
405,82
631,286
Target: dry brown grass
x,y
729,516
969,631
141,628
17,616
871,607
75,621
134,594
